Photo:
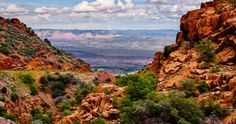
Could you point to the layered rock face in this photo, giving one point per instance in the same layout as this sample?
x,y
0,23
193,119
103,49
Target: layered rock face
x,y
97,105
214,22
21,49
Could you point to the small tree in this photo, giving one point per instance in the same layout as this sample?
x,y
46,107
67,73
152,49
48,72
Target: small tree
x,y
206,50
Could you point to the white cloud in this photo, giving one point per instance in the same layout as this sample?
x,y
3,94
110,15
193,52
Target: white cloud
x,y
103,5
51,10
84,7
13,8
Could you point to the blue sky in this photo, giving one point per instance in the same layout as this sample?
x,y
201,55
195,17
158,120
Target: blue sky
x,y
99,14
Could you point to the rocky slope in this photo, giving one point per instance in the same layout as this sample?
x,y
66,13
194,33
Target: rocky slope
x,y
21,49
213,23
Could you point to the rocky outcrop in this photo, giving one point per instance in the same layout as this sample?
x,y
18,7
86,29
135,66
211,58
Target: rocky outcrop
x,y
96,105
214,22
21,49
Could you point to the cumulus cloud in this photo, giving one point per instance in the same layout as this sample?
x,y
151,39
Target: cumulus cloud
x,y
13,8
51,10
101,5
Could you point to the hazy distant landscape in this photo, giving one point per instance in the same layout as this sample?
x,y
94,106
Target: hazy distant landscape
x,y
117,51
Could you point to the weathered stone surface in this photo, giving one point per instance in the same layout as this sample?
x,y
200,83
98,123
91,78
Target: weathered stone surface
x,y
232,83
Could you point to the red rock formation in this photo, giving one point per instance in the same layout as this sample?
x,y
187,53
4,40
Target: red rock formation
x,y
214,22
21,49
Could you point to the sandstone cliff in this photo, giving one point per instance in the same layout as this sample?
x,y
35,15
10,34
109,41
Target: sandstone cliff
x,y
213,23
21,49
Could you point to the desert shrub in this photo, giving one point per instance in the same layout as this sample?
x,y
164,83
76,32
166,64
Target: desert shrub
x,y
171,107
97,121
33,90
212,108
107,92
168,50
3,99
76,122
215,69
204,65
6,47
10,117
219,11
43,80
3,113
29,52
82,91
116,101
14,97
138,85
206,50
4,90
65,107
57,92
27,79
188,86
5,50
66,79
46,118
202,86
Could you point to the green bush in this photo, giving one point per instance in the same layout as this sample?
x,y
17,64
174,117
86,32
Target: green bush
x,y
6,47
219,11
168,50
215,69
3,113
44,81
14,97
206,50
97,121
107,92
4,90
138,85
46,118
65,107
5,50
188,86
29,52
202,86
3,99
204,65
66,79
33,90
57,89
82,91
212,108
170,107
27,79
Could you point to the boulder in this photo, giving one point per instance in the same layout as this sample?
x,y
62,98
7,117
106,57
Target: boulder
x,y
232,83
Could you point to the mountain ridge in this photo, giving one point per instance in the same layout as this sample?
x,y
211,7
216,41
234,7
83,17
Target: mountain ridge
x,y
21,48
